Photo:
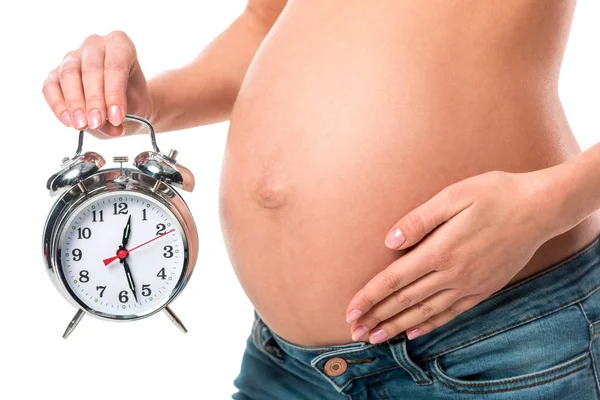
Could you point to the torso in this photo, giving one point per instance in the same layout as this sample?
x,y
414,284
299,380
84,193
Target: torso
x,y
353,113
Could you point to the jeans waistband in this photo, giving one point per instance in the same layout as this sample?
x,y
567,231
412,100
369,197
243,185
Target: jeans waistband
x,y
566,283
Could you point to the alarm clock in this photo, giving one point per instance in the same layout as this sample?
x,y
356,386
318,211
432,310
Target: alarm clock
x,y
120,244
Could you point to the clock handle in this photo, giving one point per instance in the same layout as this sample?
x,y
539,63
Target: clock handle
x,y
128,117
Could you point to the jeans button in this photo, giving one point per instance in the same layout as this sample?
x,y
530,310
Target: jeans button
x,y
335,366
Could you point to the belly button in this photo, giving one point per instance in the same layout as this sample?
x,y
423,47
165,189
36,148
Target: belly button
x,y
269,194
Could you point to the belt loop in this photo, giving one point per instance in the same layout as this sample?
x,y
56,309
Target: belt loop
x,y
398,347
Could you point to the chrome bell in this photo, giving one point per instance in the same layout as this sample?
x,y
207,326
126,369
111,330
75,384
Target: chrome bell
x,y
160,166
75,169
165,168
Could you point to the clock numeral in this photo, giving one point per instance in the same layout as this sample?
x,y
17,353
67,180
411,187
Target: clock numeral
x,y
84,233
161,274
123,297
77,254
101,289
144,215
95,217
161,229
146,290
84,276
168,251
122,208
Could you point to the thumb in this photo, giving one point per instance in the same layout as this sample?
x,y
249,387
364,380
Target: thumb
x,y
413,227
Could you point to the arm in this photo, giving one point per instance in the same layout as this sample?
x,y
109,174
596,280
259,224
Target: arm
x,y
102,80
469,241
204,91
573,189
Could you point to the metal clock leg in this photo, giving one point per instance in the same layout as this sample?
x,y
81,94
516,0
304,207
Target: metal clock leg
x,y
175,319
73,324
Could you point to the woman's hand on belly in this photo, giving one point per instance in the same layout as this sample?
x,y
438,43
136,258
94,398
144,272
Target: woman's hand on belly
x,y
471,239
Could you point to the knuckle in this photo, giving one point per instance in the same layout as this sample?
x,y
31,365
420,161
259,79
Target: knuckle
x,y
121,40
454,311
116,65
115,93
416,222
367,300
92,39
372,320
453,193
393,328
402,300
94,98
51,79
118,35
56,106
73,104
91,65
391,282
426,310
69,66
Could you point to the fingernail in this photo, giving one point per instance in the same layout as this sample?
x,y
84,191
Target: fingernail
x,y
395,239
378,337
353,315
64,118
359,332
115,116
413,333
95,119
80,119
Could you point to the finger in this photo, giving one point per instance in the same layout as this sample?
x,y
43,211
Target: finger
x,y
403,299
459,307
69,73
92,70
54,97
110,131
407,269
420,312
119,59
419,222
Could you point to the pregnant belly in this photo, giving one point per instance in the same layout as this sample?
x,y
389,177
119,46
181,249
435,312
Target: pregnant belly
x,y
341,128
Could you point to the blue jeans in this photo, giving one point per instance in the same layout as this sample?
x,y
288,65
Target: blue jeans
x,y
536,339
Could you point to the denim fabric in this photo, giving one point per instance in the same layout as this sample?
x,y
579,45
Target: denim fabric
x,y
536,339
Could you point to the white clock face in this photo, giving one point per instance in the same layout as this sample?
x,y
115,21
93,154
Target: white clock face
x,y
122,254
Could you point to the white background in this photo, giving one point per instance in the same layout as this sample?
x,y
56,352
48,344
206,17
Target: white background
x,y
150,358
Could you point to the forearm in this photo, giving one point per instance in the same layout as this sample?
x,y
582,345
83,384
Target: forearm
x,y
204,91
574,188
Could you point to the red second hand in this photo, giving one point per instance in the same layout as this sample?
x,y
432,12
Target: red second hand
x,y
111,259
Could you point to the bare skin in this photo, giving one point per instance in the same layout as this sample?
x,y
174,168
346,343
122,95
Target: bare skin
x,y
350,117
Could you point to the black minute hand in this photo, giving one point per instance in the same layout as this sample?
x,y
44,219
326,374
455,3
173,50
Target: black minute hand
x,y
129,278
126,233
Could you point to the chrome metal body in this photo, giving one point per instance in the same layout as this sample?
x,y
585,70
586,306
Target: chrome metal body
x,y
165,168
152,163
116,180
74,171
80,180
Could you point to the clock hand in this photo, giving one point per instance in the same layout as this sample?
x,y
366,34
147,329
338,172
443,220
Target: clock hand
x,y
129,278
122,253
126,233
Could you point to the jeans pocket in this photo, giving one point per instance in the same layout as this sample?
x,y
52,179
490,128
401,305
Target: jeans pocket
x,y
263,340
534,352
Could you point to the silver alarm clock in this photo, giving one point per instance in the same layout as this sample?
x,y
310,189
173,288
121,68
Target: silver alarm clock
x,y
120,244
